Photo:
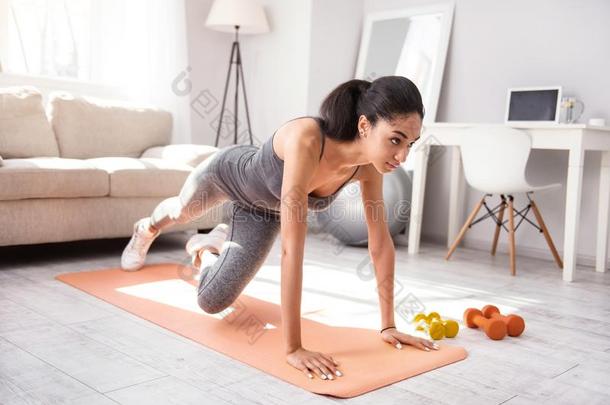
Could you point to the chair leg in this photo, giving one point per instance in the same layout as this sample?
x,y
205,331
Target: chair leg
x,y
494,244
460,236
546,234
511,235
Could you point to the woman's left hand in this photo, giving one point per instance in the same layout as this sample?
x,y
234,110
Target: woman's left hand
x,y
397,339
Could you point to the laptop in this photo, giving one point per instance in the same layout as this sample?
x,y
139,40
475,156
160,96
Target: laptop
x,y
533,105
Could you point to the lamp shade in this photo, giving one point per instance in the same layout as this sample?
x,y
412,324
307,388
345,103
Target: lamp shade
x,y
249,15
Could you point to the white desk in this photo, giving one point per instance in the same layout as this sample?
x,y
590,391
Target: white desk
x,y
575,138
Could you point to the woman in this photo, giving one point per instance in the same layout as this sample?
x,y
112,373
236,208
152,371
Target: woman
x,y
365,129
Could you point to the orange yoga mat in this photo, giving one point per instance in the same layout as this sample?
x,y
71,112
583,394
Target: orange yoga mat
x,y
250,331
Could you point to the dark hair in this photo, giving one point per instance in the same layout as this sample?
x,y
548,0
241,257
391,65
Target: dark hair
x,y
385,98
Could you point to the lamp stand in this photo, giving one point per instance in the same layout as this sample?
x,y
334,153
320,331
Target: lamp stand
x,y
235,59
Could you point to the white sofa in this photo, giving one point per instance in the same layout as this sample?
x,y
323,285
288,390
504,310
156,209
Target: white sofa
x,y
85,168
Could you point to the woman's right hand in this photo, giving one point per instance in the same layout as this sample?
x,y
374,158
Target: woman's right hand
x,y
324,366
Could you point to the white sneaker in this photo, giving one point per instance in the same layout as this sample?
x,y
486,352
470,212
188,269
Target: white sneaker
x,y
212,241
134,254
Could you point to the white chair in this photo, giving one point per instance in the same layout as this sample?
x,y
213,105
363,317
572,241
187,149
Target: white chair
x,y
494,160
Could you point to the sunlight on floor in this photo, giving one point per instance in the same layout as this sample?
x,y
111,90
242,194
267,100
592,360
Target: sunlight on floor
x,y
176,293
337,298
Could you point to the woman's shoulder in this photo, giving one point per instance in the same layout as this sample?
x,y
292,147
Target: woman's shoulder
x,y
302,133
302,125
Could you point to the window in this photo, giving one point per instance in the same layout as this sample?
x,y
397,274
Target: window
x,y
49,38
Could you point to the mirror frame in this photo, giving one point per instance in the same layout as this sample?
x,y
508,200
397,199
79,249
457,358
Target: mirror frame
x,y
444,8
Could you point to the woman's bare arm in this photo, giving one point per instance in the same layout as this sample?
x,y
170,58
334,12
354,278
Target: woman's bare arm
x,y
381,245
301,151
381,249
300,163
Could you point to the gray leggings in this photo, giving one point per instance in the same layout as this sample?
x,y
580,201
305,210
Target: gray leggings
x,y
252,234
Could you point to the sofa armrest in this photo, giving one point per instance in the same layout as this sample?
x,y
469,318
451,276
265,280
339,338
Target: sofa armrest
x,y
189,154
1,163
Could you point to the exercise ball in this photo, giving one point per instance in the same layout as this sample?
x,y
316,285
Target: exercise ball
x,y
345,218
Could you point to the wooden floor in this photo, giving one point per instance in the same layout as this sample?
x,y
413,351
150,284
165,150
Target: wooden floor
x,y
59,345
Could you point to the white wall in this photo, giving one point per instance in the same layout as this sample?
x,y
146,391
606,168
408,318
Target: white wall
x,y
312,47
494,45
335,40
275,64
208,59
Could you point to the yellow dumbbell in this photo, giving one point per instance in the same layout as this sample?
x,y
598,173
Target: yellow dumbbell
x,y
430,324
451,328
435,326
433,316
419,317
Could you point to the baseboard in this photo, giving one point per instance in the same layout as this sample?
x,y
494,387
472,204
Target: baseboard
x,y
536,253
485,245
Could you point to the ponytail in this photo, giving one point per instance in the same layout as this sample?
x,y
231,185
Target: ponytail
x,y
339,110
385,98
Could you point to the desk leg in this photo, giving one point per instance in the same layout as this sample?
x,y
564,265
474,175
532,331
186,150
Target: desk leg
x,y
456,195
573,192
603,212
417,197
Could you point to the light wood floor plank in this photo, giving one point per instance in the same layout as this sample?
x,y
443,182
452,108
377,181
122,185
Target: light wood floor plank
x,y
167,391
83,347
25,379
90,362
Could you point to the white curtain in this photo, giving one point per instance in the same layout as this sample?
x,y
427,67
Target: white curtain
x,y
138,46
141,45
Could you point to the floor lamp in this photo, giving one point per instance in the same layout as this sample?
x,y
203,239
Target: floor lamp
x,y
236,16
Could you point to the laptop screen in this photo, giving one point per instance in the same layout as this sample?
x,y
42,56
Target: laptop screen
x,y
533,105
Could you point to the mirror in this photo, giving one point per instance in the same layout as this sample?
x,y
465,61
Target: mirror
x,y
409,42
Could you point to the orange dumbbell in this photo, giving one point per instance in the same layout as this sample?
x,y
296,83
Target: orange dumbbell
x,y
514,323
494,328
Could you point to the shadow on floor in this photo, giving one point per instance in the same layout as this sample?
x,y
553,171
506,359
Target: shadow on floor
x,y
24,255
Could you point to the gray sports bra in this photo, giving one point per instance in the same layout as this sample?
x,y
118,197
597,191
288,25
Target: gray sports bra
x,y
320,158
263,172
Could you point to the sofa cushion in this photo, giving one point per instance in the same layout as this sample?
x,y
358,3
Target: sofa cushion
x,y
146,177
24,128
89,128
48,177
190,154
